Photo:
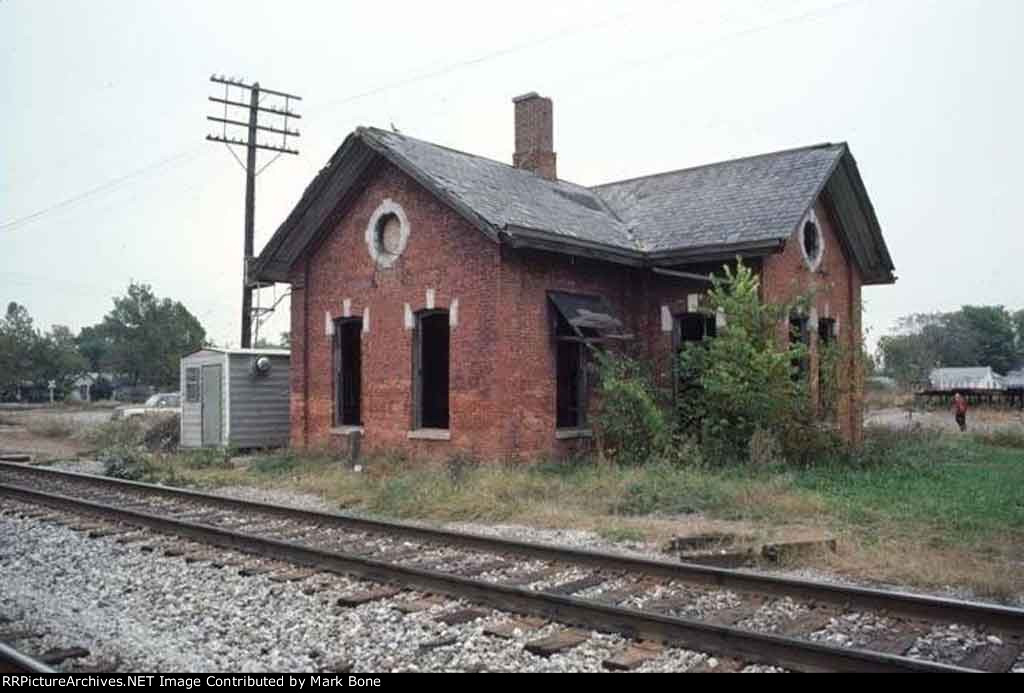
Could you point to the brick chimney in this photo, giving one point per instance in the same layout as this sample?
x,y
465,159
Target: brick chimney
x,y
534,135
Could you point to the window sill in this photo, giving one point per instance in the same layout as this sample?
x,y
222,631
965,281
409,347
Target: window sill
x,y
346,430
573,433
430,434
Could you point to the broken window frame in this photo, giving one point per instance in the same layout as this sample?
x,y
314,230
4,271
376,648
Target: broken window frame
x,y
419,421
710,331
573,343
341,418
800,333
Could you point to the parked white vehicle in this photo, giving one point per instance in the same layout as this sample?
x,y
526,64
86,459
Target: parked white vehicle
x,y
162,403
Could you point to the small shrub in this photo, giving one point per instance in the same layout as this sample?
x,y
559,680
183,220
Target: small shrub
x,y
130,464
764,450
163,433
630,423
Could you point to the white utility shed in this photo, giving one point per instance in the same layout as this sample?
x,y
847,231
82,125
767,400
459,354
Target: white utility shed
x,y
235,397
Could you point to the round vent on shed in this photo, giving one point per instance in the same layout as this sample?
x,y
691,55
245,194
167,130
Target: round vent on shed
x,y
261,365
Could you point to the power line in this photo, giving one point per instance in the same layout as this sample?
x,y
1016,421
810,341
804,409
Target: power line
x,y
16,223
109,186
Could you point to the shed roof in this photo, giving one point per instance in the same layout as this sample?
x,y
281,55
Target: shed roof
x,y
244,352
974,377
743,206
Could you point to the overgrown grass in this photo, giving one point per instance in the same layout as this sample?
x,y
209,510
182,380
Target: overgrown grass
x,y
956,488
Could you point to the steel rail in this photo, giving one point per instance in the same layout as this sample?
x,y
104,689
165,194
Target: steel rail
x,y
911,605
14,662
723,640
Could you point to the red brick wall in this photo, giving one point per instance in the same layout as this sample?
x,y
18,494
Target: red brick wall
x,y
526,350
835,290
502,382
444,253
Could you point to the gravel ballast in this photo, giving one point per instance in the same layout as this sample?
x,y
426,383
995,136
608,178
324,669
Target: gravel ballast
x,y
146,611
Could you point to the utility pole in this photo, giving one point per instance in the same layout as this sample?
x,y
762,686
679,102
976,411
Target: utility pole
x,y
252,126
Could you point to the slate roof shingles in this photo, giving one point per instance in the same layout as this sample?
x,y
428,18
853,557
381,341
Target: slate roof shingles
x,y
753,199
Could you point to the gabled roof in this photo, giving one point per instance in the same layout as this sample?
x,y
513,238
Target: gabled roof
x,y
753,199
745,206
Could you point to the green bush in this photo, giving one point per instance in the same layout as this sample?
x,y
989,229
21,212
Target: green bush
x,y
128,463
630,423
742,381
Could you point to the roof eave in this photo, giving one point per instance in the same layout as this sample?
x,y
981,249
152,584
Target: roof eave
x,y
538,239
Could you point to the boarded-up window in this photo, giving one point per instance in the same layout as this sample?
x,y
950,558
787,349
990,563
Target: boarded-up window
x,y
191,384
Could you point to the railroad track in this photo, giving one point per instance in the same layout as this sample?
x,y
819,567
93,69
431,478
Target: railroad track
x,y
737,615
14,662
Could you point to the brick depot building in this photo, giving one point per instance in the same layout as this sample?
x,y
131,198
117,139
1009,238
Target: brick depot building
x,y
442,302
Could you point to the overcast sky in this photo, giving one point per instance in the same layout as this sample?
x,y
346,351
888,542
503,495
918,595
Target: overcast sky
x,y
104,107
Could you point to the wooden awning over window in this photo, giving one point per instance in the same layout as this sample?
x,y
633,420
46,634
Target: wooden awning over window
x,y
591,318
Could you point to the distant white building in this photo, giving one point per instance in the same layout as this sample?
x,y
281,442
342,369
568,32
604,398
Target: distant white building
x,y
1014,379
977,378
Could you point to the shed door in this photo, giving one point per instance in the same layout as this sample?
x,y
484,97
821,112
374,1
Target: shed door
x,y
213,404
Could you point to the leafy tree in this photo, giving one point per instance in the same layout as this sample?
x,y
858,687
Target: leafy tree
x,y
146,336
742,380
971,336
95,347
19,340
26,355
58,359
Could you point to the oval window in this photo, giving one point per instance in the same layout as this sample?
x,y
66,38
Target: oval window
x,y
812,244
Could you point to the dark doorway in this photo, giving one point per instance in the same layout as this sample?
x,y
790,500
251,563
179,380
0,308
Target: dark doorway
x,y
431,370
348,369
570,384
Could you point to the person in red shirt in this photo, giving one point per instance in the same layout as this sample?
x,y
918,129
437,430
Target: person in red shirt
x,y
960,411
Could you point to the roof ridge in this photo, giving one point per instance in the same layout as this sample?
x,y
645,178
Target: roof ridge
x,y
751,157
372,129
562,181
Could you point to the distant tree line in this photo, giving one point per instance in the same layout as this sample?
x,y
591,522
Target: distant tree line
x,y
140,341
972,336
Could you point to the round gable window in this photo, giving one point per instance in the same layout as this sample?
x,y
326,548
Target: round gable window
x,y
387,233
812,244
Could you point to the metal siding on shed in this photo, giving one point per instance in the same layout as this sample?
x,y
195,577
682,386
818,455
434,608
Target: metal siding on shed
x,y
192,412
258,407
